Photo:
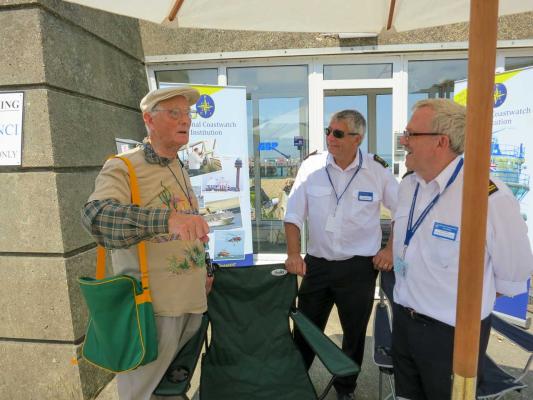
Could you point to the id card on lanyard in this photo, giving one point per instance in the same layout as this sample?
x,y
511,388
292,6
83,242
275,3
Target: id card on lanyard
x,y
400,265
334,222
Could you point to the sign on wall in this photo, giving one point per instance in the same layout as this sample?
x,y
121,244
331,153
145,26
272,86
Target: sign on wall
x,y
11,109
512,154
216,159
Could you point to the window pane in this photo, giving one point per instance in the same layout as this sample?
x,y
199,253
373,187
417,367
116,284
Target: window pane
x,y
384,127
518,62
431,79
199,76
358,71
337,101
277,106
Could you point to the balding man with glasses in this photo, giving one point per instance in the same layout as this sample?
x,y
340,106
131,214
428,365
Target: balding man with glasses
x,y
427,234
339,194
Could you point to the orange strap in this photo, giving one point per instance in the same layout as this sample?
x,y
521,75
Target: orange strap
x,y
141,246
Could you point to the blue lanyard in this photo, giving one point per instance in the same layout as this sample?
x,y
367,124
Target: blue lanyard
x,y
351,179
411,229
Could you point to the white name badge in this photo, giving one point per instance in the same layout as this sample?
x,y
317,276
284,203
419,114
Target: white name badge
x,y
444,231
333,223
365,196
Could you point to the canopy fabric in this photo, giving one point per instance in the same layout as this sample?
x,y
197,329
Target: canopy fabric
x,y
333,16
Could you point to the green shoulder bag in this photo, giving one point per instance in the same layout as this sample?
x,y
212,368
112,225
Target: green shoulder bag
x,y
121,334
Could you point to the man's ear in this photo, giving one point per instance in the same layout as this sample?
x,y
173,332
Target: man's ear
x,y
444,142
147,118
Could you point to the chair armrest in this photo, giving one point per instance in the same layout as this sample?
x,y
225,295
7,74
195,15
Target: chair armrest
x,y
335,361
176,380
519,336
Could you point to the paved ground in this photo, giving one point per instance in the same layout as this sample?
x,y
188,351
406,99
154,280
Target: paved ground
x,y
505,353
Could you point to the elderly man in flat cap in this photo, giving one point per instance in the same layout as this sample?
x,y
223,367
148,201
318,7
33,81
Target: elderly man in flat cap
x,y
167,220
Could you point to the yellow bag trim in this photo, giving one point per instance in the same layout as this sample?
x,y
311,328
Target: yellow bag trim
x,y
141,247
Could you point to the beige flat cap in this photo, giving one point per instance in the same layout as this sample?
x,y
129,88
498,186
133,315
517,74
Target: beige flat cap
x,y
155,96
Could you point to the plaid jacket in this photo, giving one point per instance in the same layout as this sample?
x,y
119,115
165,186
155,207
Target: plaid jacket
x,y
117,226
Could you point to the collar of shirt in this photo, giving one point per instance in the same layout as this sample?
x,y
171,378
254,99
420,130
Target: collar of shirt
x,y
441,179
151,156
331,161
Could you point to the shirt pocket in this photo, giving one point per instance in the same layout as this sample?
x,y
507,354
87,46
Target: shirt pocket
x,y
444,252
365,205
318,198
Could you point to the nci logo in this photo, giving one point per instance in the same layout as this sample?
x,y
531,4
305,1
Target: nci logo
x,y
205,106
500,94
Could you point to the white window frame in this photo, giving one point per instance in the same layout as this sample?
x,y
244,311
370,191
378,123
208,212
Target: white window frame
x,y
315,59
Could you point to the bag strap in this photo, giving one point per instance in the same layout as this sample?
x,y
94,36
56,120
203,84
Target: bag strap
x,y
141,246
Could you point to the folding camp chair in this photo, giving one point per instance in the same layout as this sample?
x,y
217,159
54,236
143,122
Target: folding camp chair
x,y
177,379
497,382
383,333
251,354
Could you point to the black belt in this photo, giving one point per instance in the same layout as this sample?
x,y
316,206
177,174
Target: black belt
x,y
419,317
354,258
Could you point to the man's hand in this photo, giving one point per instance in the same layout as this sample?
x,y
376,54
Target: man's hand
x,y
209,284
295,264
188,226
383,259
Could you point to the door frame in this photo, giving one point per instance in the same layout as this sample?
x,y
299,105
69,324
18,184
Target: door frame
x,y
397,85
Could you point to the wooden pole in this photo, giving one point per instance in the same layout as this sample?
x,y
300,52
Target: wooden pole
x,y
481,63
175,9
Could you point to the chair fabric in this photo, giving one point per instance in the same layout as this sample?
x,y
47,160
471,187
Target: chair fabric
x,y
251,355
383,332
496,382
382,337
517,335
184,364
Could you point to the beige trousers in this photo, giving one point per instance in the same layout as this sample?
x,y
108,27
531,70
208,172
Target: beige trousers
x,y
173,333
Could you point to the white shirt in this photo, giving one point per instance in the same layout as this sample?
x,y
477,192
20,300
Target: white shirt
x,y
353,227
195,160
429,285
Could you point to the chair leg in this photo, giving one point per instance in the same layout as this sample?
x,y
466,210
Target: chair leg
x,y
391,383
380,386
327,389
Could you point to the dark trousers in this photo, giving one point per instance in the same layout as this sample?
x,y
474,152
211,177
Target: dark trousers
x,y
422,350
348,284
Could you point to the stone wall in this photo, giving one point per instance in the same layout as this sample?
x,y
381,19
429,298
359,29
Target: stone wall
x,y
83,76
164,41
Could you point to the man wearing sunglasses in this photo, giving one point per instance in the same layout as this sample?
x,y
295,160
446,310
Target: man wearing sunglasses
x,y
339,193
426,252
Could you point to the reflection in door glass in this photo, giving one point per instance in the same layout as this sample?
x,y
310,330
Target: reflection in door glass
x,y
376,107
384,127
277,106
335,103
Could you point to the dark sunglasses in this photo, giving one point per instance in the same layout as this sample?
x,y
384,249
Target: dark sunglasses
x,y
338,133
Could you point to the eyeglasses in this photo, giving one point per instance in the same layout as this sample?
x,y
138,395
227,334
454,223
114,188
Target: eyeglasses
x,y
409,134
177,113
338,133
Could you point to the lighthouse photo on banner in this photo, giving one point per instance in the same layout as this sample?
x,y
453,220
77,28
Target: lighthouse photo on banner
x,y
216,159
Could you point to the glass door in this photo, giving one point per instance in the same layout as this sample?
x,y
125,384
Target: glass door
x,y
376,106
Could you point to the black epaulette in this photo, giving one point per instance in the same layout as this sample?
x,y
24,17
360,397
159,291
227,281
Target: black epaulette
x,y
311,154
407,174
380,160
492,187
